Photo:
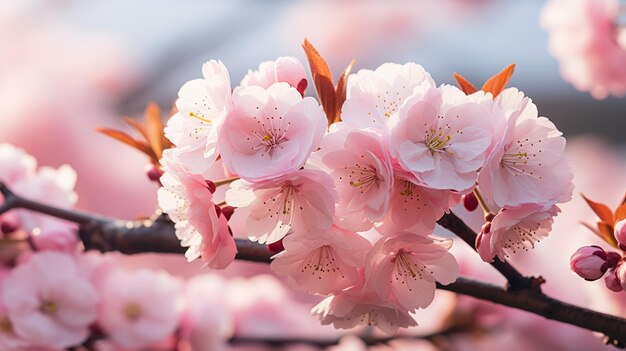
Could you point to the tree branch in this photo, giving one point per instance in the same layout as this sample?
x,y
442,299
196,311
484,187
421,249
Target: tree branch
x,y
157,234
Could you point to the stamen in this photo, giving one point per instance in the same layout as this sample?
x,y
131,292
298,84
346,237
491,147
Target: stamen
x,y
194,115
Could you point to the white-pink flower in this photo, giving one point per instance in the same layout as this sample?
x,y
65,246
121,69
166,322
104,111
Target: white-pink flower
x,y
202,105
186,198
139,308
322,262
16,164
48,302
270,132
284,69
515,229
403,268
374,96
527,164
414,207
442,136
302,201
359,163
588,43
357,306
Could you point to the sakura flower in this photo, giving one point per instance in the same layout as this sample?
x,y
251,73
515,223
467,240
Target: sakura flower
x,y
186,198
442,136
414,206
322,262
589,45
202,105
620,234
374,96
302,201
284,69
357,306
48,302
16,164
138,308
404,268
207,322
359,163
270,132
528,164
515,228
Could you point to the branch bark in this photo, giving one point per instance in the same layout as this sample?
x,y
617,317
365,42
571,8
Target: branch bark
x,y
157,234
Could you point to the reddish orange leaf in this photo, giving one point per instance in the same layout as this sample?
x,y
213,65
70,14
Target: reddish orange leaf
x,y
317,64
341,91
620,213
326,92
606,233
127,139
137,126
154,127
602,211
498,82
467,87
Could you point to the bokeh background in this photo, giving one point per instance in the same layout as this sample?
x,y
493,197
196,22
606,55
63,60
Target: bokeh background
x,y
69,66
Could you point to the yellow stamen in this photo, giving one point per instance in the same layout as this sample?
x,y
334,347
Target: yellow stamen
x,y
49,307
133,311
194,115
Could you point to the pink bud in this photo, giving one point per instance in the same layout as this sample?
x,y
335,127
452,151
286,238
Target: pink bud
x,y
302,86
470,202
228,211
612,281
7,227
620,273
620,233
154,173
589,262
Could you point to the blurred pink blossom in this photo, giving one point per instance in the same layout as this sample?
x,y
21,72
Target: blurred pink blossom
x,y
284,69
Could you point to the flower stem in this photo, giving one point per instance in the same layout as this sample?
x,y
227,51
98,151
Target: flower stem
x,y
482,202
225,181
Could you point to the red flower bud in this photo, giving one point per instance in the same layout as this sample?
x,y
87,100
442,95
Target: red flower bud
x,y
589,262
470,202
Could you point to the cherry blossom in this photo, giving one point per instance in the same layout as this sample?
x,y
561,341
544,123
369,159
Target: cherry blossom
x,y
138,308
186,198
202,105
322,262
302,201
284,69
359,163
404,268
442,136
514,229
270,132
358,306
528,164
588,43
374,96
620,233
48,302
414,206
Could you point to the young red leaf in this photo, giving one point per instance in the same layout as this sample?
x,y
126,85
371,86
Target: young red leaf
x,y
606,233
326,92
127,139
341,91
137,126
467,87
154,127
602,211
620,213
498,82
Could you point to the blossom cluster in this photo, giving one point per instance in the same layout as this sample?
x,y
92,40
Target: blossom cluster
x,y
18,171
590,45
350,207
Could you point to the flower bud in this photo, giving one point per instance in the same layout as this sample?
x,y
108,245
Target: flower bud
x,y
7,227
470,202
589,262
228,211
620,234
153,173
620,273
211,186
276,247
612,281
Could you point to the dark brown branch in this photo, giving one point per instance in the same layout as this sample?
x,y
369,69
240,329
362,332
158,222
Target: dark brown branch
x,y
158,235
516,281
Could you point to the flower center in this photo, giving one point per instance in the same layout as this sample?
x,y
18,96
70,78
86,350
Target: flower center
x,y
438,140
49,307
520,157
407,188
363,177
133,311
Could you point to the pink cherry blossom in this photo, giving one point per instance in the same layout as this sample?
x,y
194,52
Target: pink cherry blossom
x,y
48,302
374,96
588,43
414,206
357,306
202,105
270,132
442,136
404,268
589,262
302,201
322,262
620,233
514,229
284,69
186,198
16,164
359,163
207,322
528,164
138,308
